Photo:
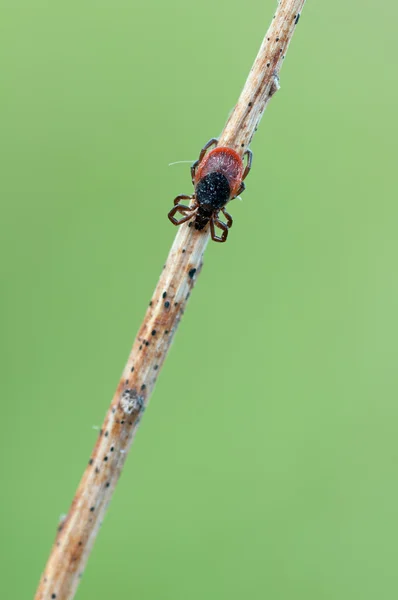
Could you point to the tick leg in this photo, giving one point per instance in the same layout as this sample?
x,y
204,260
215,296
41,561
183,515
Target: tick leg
x,y
182,197
187,213
228,217
193,170
246,172
241,189
222,238
213,141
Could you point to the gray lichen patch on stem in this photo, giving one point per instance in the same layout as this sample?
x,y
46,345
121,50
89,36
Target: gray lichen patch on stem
x,y
77,532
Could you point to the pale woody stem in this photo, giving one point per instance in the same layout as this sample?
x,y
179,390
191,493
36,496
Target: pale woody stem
x,y
77,533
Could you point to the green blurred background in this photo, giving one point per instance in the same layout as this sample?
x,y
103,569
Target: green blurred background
x,y
266,465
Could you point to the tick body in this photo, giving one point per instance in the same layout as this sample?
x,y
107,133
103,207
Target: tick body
x,y
217,177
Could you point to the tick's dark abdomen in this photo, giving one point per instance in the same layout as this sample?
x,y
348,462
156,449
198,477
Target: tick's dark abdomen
x,y
213,191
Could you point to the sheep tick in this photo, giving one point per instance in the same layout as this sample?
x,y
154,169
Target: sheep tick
x,y
217,177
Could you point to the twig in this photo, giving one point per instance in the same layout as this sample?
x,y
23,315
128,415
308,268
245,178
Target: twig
x,y
77,533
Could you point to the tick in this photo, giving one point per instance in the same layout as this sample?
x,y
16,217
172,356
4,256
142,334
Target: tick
x,y
218,177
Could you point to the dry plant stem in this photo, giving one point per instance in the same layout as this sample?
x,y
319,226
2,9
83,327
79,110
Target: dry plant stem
x,y
77,533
